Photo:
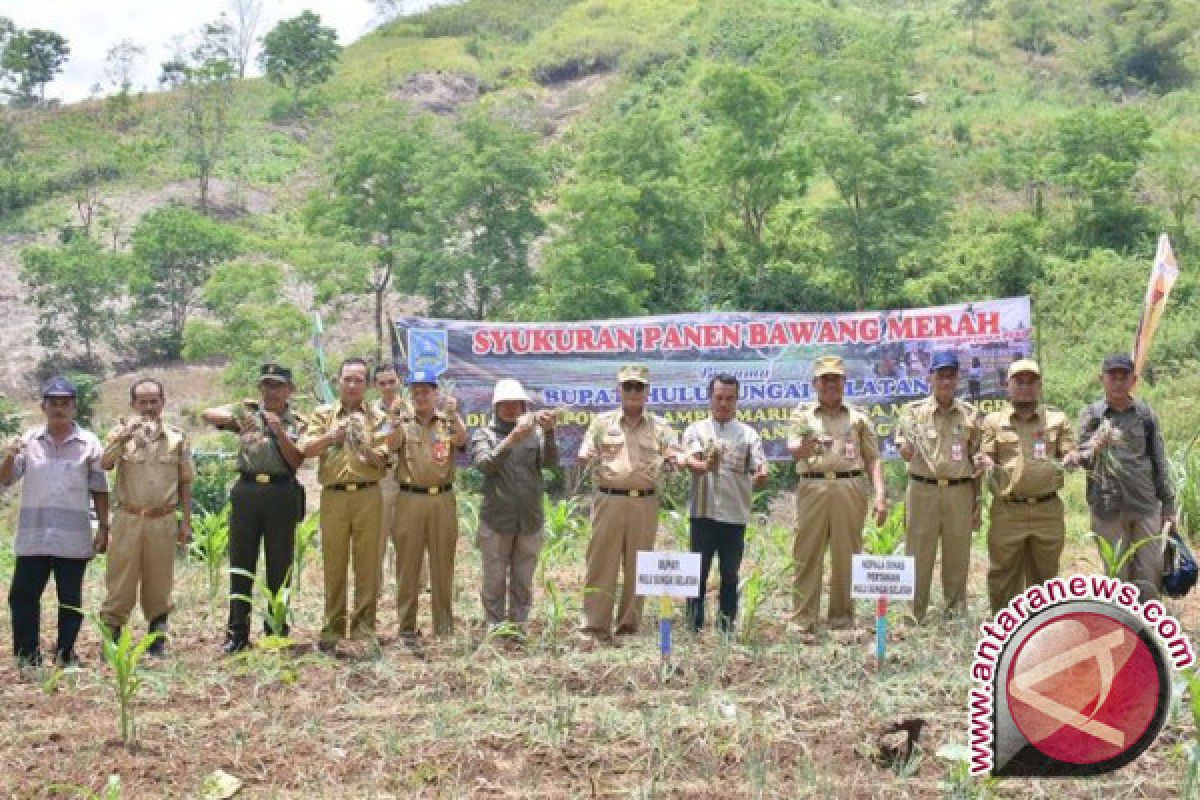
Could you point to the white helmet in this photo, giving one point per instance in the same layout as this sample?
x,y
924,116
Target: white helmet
x,y
508,389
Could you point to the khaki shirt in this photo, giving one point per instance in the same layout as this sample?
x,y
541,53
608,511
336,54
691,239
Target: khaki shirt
x,y
338,464
724,494
848,440
148,477
944,441
425,456
629,455
1027,452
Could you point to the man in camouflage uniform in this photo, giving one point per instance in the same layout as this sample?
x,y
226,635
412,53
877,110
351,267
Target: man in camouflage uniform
x,y
938,436
425,442
154,478
627,448
834,446
345,436
267,501
1026,447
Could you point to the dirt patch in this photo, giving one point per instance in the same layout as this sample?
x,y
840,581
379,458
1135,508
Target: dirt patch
x,y
438,91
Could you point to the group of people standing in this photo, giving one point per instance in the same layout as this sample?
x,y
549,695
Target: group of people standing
x,y
387,471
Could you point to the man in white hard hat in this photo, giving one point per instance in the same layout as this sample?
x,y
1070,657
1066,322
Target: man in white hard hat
x,y
510,452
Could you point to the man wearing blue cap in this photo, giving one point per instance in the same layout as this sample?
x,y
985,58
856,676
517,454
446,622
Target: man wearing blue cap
x,y
60,465
938,436
425,442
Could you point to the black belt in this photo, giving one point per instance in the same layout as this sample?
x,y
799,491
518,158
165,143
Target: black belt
x,y
408,487
626,492
829,476
351,487
263,477
1030,500
941,481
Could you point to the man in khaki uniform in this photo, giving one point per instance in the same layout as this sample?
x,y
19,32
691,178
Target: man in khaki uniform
x,y
627,448
425,442
939,436
353,459
387,381
154,477
1026,447
833,445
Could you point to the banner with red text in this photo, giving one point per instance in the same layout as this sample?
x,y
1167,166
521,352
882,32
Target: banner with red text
x,y
573,365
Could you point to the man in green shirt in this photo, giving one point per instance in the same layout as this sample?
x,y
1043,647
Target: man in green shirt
x,y
267,501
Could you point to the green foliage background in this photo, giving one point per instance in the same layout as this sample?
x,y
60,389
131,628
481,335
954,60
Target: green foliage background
x,y
612,157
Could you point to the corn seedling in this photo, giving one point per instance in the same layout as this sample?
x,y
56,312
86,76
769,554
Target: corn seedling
x,y
210,546
111,790
679,528
306,541
123,655
1187,491
1116,556
563,524
886,539
468,515
278,610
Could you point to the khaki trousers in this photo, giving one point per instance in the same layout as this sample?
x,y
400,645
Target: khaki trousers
x,y
509,561
388,530
1024,546
1145,566
939,514
829,516
141,553
621,526
350,540
428,525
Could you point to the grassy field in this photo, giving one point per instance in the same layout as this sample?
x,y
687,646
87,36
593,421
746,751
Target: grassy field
x,y
768,714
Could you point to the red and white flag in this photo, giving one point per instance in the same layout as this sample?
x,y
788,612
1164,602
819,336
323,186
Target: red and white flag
x,y
1162,278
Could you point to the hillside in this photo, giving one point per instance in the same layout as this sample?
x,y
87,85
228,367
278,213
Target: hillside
x,y
701,149
574,159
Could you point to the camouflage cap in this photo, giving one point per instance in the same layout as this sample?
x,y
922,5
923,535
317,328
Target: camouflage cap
x,y
638,373
829,365
1024,365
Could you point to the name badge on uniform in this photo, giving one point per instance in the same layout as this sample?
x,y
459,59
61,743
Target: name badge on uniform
x,y
956,451
851,450
1039,446
440,451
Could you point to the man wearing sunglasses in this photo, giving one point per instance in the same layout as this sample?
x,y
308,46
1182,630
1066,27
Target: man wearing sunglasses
x,y
626,449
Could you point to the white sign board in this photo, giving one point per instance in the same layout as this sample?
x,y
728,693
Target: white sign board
x,y
670,574
893,577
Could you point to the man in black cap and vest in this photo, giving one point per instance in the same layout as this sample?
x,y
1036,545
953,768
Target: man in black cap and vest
x,y
267,501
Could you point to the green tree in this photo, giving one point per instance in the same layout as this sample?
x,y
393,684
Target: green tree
x,y
298,53
490,178
643,150
376,197
1142,43
75,289
32,58
592,271
749,161
889,195
1173,171
1031,24
174,252
249,322
1099,153
973,11
205,77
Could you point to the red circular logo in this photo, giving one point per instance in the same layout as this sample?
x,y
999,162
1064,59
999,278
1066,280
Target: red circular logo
x,y
1083,688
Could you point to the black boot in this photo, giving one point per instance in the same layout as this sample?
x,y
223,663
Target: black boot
x,y
158,647
235,642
